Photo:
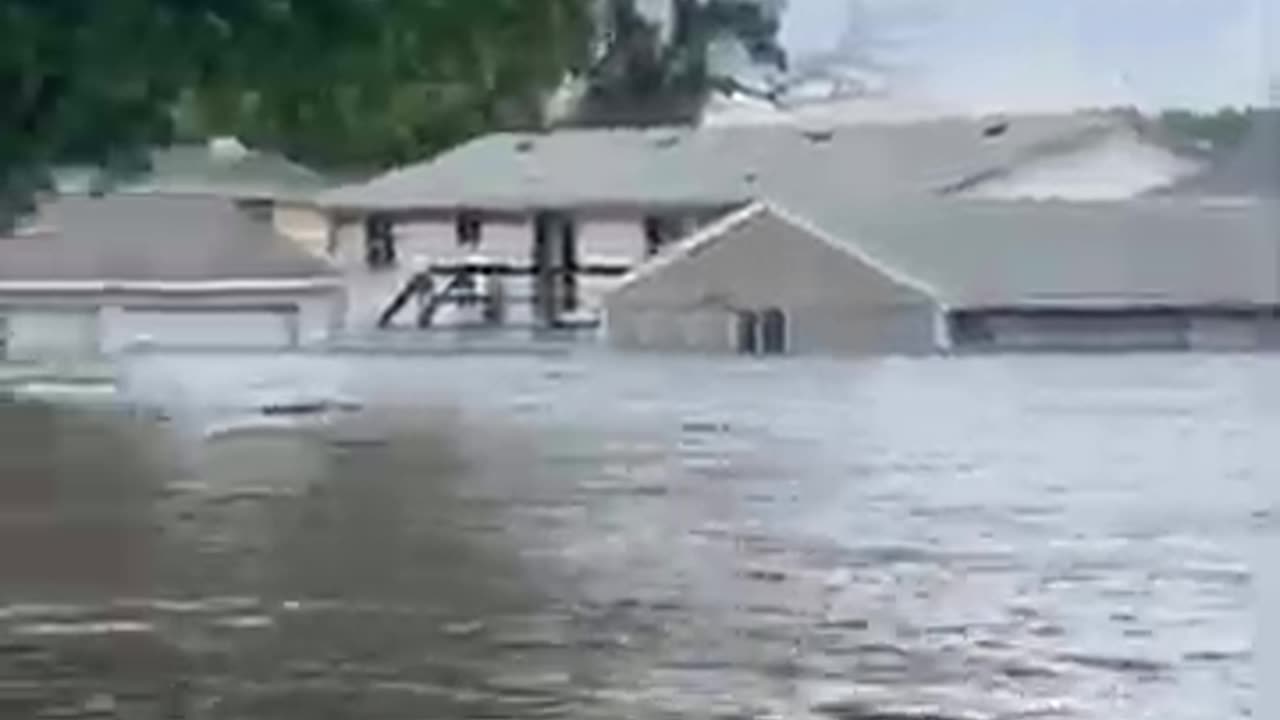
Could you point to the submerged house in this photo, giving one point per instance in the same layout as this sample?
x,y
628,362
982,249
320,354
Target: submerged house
x,y
555,221
931,275
263,184
90,276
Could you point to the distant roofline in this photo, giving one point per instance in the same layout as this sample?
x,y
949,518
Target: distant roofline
x,y
177,287
339,199
1112,304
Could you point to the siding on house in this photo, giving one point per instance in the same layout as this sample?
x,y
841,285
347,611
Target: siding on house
x,y
757,260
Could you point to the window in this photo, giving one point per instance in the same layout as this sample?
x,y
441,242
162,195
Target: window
x,y
762,332
657,233
4,337
380,242
748,332
773,332
971,328
469,230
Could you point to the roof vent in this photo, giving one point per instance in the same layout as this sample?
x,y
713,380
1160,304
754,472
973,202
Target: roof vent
x,y
666,141
750,177
525,145
995,130
819,135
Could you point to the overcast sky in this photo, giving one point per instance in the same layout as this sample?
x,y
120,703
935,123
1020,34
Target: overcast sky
x,y
1051,53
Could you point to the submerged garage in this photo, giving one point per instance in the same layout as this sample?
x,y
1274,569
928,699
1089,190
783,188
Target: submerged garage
x,y
92,276
273,327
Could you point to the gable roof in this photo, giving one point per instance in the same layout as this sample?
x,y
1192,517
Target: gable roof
x,y
723,230
1069,254
710,166
150,239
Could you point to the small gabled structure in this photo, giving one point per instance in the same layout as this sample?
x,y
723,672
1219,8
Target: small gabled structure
x,y
763,280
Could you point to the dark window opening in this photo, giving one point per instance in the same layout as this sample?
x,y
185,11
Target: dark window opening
x,y
971,329
748,332
469,230
4,337
380,242
773,332
658,233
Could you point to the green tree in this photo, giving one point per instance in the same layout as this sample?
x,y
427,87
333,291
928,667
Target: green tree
x,y
1221,130
428,75
640,78
333,82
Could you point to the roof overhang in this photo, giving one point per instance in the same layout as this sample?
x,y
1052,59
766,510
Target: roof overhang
x,y
511,210
169,287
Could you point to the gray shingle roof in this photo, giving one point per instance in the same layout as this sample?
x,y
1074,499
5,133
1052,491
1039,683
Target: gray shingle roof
x,y
991,253
585,169
196,170
150,239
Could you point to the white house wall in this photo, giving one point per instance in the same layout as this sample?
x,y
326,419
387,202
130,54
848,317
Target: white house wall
x,y
306,226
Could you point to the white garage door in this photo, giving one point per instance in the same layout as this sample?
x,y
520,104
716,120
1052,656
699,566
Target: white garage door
x,y
238,328
37,333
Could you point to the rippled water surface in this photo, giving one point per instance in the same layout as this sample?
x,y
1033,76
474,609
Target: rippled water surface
x,y
584,537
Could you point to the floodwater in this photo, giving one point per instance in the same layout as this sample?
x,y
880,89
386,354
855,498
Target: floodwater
x,y
581,536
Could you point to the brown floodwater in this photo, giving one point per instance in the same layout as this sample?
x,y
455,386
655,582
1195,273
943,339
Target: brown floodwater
x,y
584,536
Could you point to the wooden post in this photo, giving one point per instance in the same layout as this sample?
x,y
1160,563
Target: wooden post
x,y
544,287
569,263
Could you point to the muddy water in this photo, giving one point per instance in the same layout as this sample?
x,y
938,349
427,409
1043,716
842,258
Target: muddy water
x,y
590,537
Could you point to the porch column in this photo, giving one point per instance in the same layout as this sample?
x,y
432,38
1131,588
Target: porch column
x,y
379,241
543,265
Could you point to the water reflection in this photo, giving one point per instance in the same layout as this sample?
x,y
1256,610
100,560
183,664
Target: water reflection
x,y
529,537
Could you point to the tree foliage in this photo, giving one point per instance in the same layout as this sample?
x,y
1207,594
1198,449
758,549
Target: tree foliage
x,y
646,76
332,82
1221,130
339,83
416,76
